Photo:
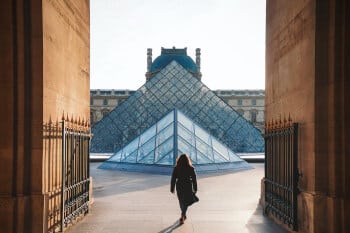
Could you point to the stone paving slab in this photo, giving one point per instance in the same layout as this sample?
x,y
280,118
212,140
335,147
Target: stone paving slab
x,y
129,202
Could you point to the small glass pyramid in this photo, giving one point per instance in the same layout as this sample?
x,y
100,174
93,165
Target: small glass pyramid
x,y
173,135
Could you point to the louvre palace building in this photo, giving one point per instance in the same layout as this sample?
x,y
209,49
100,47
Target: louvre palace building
x,y
248,103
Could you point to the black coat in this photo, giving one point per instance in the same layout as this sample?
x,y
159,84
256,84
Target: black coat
x,y
186,184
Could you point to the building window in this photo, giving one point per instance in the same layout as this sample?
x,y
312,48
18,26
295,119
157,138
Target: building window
x,y
105,113
253,114
239,102
120,92
253,101
240,111
225,93
91,101
105,102
105,92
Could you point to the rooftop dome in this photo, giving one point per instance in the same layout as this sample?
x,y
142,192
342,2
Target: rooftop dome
x,y
179,55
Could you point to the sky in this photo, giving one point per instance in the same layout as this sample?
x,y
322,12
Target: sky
x,y
230,33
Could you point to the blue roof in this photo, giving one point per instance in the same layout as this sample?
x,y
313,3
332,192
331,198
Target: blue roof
x,y
179,55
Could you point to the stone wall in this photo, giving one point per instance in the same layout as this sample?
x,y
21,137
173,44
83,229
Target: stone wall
x,y
332,116
21,199
66,54
44,71
306,55
290,81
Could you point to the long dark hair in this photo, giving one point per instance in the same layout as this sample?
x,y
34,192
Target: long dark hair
x,y
183,161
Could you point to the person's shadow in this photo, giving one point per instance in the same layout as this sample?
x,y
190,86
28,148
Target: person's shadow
x,y
171,228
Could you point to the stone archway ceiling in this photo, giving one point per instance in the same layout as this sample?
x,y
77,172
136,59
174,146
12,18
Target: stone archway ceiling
x,y
174,87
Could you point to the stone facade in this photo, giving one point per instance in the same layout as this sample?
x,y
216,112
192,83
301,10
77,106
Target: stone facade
x,y
249,103
44,59
102,101
307,70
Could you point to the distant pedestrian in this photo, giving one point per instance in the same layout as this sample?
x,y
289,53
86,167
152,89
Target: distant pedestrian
x,y
184,177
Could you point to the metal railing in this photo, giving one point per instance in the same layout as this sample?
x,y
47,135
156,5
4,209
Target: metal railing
x,y
281,172
66,171
52,181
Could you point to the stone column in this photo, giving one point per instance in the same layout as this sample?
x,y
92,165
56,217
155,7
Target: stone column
x,y
43,73
332,116
307,70
21,199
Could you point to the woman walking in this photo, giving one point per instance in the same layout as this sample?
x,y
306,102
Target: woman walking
x,y
184,177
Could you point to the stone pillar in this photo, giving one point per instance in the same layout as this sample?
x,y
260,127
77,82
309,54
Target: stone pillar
x,y
43,73
332,116
307,70
21,199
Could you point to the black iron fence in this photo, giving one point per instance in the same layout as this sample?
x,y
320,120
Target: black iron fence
x,y
281,172
66,171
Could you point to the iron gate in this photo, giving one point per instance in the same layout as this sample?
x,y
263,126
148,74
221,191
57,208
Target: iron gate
x,y
281,172
66,172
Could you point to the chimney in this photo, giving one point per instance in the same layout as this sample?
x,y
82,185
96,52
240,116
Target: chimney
x,y
149,59
198,59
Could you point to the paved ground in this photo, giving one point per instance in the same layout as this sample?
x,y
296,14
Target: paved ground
x,y
126,202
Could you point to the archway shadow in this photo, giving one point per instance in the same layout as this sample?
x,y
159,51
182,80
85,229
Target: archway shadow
x,y
171,228
259,222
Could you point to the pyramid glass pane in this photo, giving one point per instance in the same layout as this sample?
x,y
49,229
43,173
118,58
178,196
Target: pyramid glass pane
x,y
160,147
164,149
147,159
148,134
174,87
204,159
204,148
166,159
186,148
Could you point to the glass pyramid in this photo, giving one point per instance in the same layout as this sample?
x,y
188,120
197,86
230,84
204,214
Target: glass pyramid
x,y
174,87
173,135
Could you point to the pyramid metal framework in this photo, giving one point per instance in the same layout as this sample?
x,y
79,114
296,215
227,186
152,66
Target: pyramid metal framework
x,y
173,135
174,87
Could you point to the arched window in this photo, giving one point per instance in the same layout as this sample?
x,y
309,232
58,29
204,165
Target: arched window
x,y
105,102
